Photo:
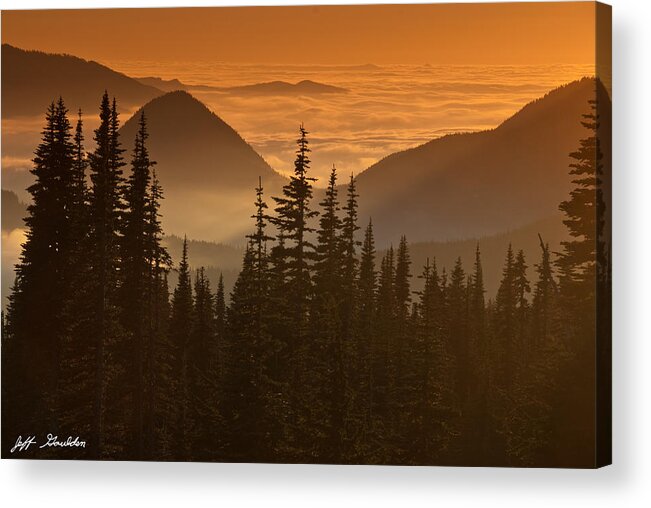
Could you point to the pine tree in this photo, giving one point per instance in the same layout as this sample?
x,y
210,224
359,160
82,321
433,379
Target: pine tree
x,y
578,267
322,405
159,374
202,411
220,325
77,359
544,299
180,328
458,330
530,421
382,365
522,289
36,324
365,353
584,220
263,347
292,219
242,396
434,411
504,347
476,417
136,265
110,405
349,227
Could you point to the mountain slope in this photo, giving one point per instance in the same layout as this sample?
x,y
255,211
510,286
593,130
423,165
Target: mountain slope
x,y
32,79
208,172
476,184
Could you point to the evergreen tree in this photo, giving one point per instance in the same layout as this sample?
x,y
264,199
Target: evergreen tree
x,y
433,432
458,329
136,266
36,324
242,396
180,328
544,299
522,289
220,325
263,346
349,227
77,361
202,411
292,219
364,359
110,404
382,365
323,384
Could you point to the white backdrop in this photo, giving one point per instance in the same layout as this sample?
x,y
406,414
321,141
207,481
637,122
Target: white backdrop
x,y
626,483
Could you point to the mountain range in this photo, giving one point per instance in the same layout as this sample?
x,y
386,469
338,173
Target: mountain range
x,y
481,183
31,80
459,186
271,88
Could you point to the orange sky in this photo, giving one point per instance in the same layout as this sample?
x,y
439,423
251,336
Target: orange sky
x,y
507,33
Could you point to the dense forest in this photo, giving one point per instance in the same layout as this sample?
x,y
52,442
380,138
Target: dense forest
x,y
316,355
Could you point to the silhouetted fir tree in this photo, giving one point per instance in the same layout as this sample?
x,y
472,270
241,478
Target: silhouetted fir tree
x,y
323,384
354,376
523,311
134,290
385,329
110,405
220,325
352,350
77,362
361,444
36,323
433,430
584,220
476,414
180,328
203,414
503,357
264,347
578,273
79,188
280,362
457,329
531,419
242,402
163,401
292,218
404,387
544,299
504,345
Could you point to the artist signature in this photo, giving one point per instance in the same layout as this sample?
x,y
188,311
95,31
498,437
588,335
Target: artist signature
x,y
51,441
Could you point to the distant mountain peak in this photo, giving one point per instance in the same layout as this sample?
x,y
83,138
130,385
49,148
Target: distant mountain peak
x,y
203,161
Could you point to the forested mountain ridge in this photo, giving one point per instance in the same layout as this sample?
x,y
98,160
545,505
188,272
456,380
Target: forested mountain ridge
x,y
480,183
30,80
318,356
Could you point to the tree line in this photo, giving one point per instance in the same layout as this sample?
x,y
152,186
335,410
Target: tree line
x,y
321,352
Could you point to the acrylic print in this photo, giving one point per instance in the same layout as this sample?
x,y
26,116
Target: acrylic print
x,y
324,234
